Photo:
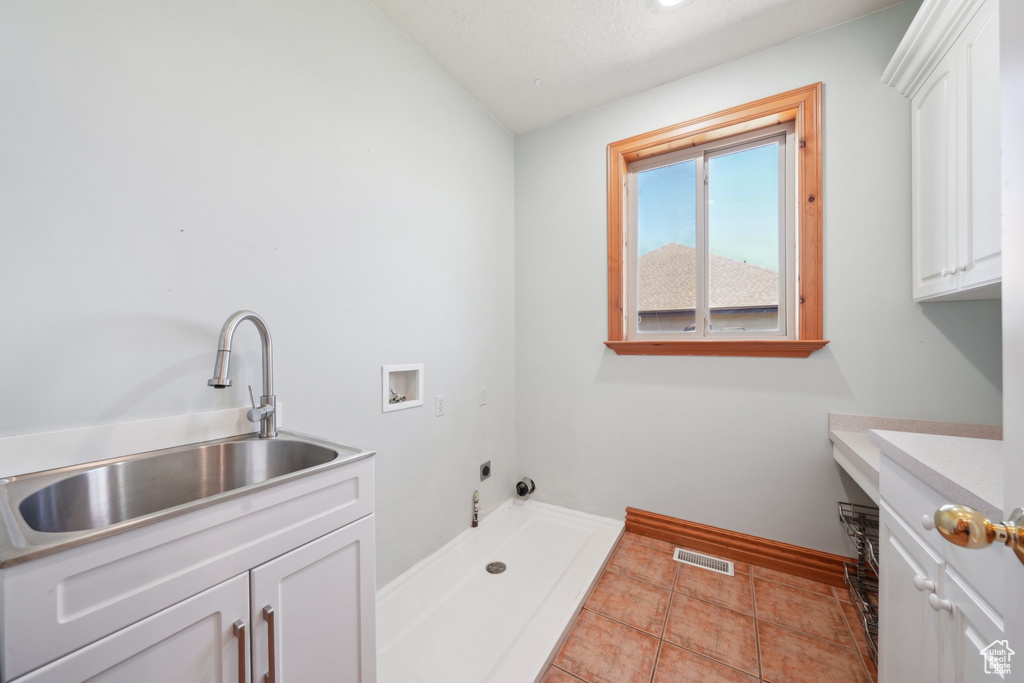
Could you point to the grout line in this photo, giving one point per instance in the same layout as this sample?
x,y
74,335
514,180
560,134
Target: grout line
x,y
639,578
570,675
757,632
811,635
849,627
622,623
715,604
668,611
704,655
657,660
831,594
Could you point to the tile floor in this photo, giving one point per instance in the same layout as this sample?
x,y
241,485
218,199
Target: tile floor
x,y
653,620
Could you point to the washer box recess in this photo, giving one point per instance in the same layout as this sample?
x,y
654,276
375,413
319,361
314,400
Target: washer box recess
x,y
403,380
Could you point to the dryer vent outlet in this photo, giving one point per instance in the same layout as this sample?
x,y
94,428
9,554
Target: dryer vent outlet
x,y
525,487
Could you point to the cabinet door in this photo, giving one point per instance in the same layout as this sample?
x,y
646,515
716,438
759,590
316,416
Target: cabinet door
x,y
322,598
933,170
979,252
192,641
969,627
908,629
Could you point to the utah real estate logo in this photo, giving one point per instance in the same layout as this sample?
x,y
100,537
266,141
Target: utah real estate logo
x,y
997,657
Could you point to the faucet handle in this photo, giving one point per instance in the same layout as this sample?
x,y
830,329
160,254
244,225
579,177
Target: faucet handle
x,y
257,413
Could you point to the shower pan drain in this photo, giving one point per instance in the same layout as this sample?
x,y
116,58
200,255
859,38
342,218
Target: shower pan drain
x,y
496,567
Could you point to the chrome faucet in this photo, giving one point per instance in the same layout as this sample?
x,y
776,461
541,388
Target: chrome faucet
x,y
265,413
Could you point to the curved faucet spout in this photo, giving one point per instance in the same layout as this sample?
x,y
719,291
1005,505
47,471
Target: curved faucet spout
x,y
220,380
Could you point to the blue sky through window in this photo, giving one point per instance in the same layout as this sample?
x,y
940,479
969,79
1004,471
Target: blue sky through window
x,y
743,206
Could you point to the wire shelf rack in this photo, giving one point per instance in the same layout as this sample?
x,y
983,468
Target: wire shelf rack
x,y
861,525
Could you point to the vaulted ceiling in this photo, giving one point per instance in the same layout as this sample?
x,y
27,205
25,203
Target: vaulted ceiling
x,y
533,62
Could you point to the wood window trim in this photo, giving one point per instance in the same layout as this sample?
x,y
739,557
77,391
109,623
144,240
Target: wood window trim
x,y
802,106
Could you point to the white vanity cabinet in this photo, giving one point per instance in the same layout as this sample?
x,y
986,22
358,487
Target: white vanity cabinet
x,y
160,602
948,65
933,618
318,599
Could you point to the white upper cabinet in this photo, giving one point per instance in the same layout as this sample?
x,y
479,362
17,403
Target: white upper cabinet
x,y
933,150
948,65
980,245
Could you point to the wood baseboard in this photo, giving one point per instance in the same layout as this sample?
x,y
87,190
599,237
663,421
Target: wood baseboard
x,y
791,559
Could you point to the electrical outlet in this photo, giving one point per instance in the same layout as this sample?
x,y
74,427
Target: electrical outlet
x,y
439,405
483,396
485,470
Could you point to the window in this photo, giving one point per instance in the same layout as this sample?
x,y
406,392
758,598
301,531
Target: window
x,y
714,230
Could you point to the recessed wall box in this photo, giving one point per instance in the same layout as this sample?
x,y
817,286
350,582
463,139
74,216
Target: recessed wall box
x,y
401,386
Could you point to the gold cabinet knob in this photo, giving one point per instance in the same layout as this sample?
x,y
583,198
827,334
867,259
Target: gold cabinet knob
x,y
968,528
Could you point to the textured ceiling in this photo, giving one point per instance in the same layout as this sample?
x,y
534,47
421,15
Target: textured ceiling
x,y
587,53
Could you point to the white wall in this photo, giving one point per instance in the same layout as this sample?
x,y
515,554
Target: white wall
x,y
738,443
165,164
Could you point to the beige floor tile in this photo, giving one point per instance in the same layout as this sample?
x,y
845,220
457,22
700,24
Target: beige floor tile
x,y
729,591
797,581
676,665
599,650
791,657
558,676
811,613
633,602
644,562
648,541
713,631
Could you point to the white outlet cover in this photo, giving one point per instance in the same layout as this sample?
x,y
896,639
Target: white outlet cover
x,y
439,405
483,396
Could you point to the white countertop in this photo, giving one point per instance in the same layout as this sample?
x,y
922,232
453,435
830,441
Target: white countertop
x,y
966,470
860,454
857,446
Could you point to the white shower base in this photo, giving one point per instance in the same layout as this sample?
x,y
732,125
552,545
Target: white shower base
x,y
447,620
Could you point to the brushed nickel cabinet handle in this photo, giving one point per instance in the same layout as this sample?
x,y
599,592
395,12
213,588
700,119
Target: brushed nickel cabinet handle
x,y
268,614
239,630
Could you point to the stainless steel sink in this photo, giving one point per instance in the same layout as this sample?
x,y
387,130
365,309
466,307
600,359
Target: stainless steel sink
x,y
48,511
132,488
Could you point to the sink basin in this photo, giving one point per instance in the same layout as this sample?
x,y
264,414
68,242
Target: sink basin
x,y
46,512
128,489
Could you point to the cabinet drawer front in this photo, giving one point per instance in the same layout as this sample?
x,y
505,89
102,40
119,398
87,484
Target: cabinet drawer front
x,y
911,500
61,602
192,641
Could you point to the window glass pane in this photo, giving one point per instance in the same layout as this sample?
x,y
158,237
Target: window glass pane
x,y
743,240
666,237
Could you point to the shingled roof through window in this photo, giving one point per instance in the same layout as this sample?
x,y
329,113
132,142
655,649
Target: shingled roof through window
x,y
667,281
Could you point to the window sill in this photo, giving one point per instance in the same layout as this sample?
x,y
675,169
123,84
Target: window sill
x,y
773,348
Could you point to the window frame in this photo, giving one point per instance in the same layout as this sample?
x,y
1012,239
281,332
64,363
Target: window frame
x,y
784,134
802,107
